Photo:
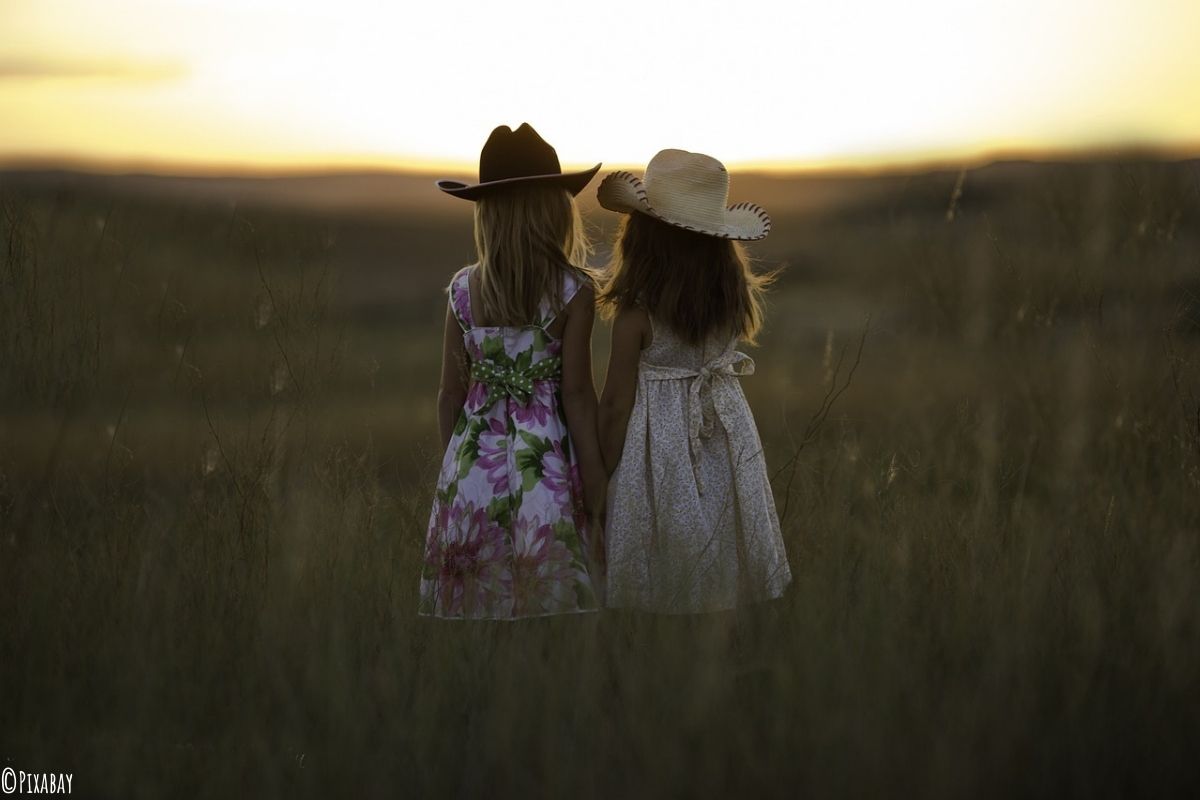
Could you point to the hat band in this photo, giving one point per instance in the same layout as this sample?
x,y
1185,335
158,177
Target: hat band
x,y
507,172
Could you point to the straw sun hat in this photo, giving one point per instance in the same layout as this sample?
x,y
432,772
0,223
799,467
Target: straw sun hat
x,y
687,190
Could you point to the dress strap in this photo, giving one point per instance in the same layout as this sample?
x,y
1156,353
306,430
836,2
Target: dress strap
x,y
460,298
571,284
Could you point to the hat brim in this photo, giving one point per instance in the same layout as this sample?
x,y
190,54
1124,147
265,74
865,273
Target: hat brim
x,y
625,193
573,182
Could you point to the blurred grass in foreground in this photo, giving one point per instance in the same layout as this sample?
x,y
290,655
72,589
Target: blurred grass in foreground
x,y
217,455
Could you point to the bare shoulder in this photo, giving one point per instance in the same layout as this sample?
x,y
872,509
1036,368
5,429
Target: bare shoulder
x,y
585,297
633,321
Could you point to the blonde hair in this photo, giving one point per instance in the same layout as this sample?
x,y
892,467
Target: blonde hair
x,y
525,236
697,285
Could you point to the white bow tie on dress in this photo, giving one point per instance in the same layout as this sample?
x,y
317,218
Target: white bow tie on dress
x,y
731,365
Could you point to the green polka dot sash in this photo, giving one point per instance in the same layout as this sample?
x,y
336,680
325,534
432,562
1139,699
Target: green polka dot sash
x,y
516,383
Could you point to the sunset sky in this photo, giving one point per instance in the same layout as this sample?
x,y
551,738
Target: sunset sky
x,y
258,83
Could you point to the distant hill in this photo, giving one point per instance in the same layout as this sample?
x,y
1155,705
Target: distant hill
x,y
378,191
397,192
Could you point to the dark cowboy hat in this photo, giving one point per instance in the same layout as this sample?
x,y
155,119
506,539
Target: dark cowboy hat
x,y
512,157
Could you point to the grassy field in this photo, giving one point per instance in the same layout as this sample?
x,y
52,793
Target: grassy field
x,y
979,393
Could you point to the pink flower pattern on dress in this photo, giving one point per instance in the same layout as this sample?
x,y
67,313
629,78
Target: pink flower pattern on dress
x,y
557,471
460,300
476,395
542,570
465,561
541,407
493,455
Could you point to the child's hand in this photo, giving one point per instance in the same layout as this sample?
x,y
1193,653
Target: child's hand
x,y
595,496
599,549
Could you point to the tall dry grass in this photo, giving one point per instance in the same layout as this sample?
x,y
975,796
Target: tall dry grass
x,y
211,515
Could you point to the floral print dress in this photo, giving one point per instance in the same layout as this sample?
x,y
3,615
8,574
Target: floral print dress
x,y
507,535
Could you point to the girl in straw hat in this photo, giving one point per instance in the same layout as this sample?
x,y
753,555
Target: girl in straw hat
x,y
691,522
509,533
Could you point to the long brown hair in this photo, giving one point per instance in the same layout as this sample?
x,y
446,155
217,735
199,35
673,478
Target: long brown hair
x,y
698,285
525,236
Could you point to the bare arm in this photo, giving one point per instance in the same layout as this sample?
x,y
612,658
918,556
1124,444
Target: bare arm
x,y
579,398
452,390
630,333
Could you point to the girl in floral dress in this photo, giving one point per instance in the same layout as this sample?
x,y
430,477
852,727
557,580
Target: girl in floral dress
x,y
691,522
510,533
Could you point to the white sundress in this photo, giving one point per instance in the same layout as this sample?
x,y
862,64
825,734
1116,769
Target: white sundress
x,y
692,525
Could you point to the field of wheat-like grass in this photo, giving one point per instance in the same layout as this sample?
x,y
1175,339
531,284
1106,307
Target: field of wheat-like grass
x,y
979,394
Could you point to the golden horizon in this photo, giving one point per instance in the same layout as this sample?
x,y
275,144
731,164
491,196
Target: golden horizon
x,y
916,161
283,86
